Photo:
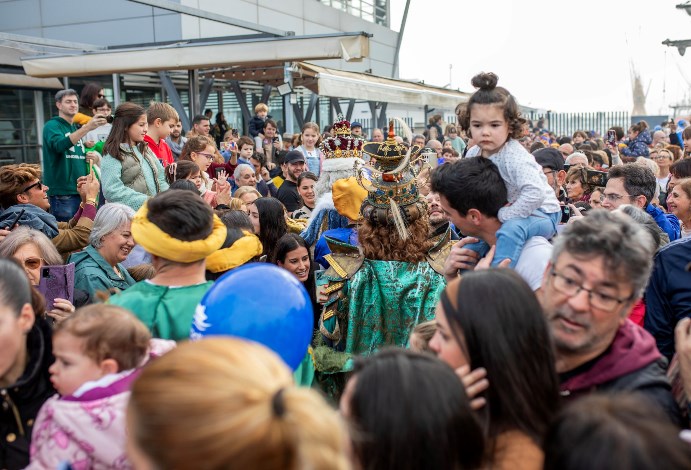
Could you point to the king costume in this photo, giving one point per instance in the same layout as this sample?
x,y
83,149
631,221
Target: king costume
x,y
376,301
342,153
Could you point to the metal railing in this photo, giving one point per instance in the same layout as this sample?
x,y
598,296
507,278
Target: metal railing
x,y
568,123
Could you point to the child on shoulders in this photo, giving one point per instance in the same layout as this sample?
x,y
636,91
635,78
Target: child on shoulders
x,y
493,120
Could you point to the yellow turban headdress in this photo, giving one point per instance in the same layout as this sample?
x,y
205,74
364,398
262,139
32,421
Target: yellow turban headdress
x,y
237,254
159,243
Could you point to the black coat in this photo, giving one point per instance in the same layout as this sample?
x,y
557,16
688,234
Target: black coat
x,y
20,403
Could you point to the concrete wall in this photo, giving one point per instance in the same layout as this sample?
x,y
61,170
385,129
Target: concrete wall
x,y
119,22
100,22
304,17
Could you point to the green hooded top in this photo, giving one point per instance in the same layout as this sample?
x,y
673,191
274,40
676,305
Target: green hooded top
x,y
166,311
92,273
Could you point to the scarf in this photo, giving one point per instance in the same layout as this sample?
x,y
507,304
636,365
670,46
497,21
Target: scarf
x,y
34,217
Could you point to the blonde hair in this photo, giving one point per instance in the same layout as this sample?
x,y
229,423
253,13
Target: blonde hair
x,y
108,332
242,190
235,406
261,107
424,331
236,203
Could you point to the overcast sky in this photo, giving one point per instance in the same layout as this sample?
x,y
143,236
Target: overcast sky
x,y
558,55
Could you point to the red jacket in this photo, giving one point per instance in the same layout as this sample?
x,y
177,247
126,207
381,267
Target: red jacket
x,y
162,151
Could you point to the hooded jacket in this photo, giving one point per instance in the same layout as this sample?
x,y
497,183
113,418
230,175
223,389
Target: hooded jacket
x,y
92,273
20,403
632,363
668,223
668,297
638,147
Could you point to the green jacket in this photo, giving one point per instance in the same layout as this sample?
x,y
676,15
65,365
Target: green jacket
x,y
92,273
166,311
63,161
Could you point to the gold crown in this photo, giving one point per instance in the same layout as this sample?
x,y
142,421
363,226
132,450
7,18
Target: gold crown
x,y
342,144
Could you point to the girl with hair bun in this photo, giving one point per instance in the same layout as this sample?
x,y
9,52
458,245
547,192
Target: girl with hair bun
x,y
229,403
493,121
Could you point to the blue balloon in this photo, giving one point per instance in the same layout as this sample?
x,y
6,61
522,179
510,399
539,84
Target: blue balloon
x,y
260,302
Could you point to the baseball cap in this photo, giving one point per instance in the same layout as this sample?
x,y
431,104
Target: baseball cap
x,y
355,124
549,158
294,156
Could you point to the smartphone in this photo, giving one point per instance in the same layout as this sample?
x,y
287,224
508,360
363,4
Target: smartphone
x,y
431,158
57,282
611,137
232,145
218,171
565,214
16,219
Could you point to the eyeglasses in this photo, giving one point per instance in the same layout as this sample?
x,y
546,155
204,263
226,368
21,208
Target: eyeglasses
x,y
101,96
599,300
615,197
662,156
207,155
32,263
37,184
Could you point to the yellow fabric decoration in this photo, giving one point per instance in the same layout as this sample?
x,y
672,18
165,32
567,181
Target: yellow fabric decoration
x,y
296,225
239,253
348,196
159,243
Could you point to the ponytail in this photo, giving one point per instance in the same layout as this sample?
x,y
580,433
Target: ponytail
x,y
236,406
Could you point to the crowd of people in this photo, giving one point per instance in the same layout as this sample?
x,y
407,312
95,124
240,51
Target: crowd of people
x,y
484,294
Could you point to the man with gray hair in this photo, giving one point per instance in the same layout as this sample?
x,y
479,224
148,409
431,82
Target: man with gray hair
x,y
577,158
419,140
245,175
64,158
599,268
659,138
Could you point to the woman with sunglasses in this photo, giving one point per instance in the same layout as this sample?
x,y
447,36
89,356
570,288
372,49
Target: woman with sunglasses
x,y
131,173
33,251
25,355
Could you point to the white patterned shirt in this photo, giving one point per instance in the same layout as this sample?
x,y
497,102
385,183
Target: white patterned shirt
x,y
526,184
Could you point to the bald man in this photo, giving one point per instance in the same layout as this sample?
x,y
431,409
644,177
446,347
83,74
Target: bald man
x,y
566,149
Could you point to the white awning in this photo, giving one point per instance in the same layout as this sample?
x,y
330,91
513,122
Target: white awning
x,y
23,81
189,55
361,86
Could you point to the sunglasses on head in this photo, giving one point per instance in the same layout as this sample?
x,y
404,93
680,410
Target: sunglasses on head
x,y
32,263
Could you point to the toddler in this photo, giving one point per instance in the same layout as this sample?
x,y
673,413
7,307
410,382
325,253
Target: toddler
x,y
493,120
256,125
97,354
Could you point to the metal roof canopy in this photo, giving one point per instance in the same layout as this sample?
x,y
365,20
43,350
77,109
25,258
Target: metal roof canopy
x,y
341,84
200,55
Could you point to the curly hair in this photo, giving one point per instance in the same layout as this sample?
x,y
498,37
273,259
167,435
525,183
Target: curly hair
x,y
383,242
13,178
489,93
